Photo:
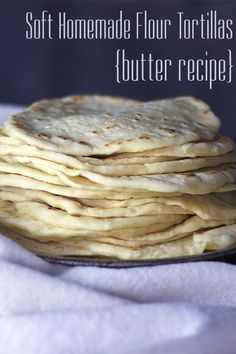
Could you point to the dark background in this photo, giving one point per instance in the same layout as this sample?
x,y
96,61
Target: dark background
x,y
34,69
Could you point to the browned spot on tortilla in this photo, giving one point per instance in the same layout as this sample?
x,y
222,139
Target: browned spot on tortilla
x,y
144,137
76,98
168,130
206,111
83,143
41,135
112,126
112,143
95,132
63,137
19,125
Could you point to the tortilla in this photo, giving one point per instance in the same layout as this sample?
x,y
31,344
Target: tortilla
x,y
76,207
81,191
195,182
132,169
214,206
219,146
53,216
215,239
97,176
17,220
91,125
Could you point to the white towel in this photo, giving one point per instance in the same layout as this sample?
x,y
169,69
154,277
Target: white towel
x,y
171,309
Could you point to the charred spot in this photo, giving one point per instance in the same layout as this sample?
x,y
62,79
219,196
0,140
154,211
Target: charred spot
x,y
144,137
94,131
63,137
168,130
19,125
41,135
135,248
112,126
83,143
112,143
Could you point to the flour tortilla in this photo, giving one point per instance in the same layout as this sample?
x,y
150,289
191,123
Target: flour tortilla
x,y
17,181
180,165
74,126
214,206
41,159
192,245
17,220
215,239
185,228
111,203
104,203
14,217
7,140
219,146
40,248
227,188
75,207
56,217
196,182
29,172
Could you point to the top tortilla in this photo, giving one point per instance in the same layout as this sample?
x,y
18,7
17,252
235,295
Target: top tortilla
x,y
97,125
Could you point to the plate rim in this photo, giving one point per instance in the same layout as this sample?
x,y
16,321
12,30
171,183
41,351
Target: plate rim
x,y
119,263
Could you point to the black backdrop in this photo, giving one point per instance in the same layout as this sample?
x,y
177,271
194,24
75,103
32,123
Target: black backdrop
x,y
35,69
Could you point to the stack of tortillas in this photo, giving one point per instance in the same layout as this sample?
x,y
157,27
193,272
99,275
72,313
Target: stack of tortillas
x,y
108,177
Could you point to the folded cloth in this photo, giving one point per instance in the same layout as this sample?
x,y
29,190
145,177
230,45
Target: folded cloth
x,y
173,309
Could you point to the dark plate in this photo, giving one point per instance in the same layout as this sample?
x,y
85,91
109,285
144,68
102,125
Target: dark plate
x,y
228,256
